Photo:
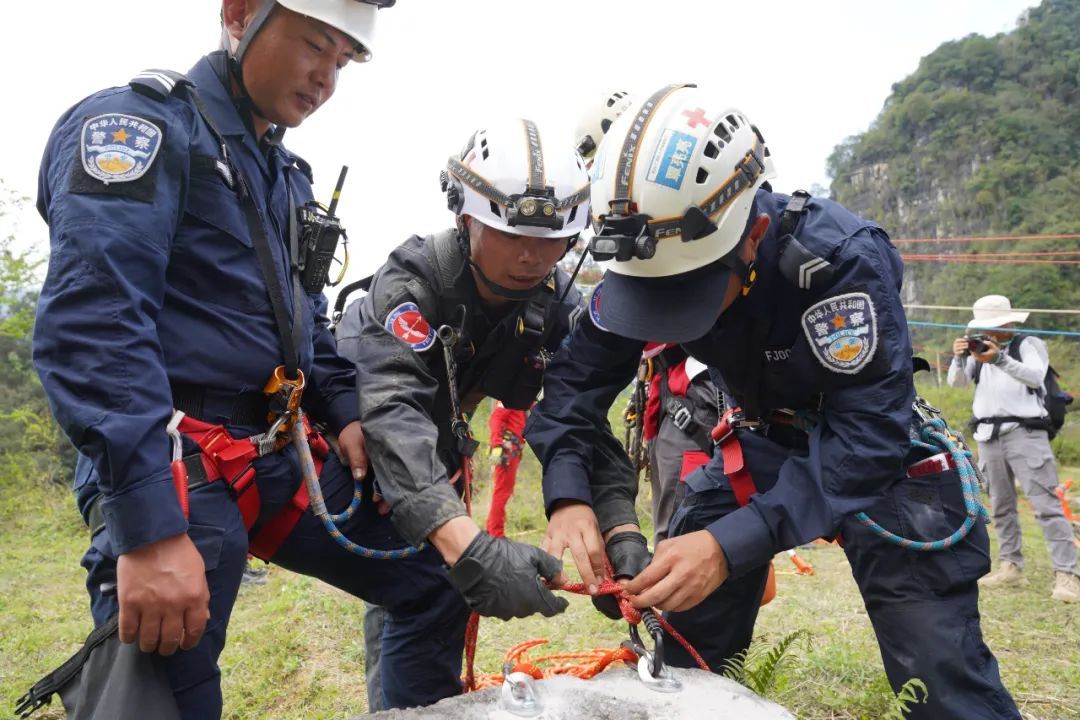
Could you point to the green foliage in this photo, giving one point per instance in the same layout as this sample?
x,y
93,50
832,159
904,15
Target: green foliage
x,y
984,138
34,448
758,667
908,696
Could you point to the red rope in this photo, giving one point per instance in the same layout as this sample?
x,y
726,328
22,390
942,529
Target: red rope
x,y
990,261
589,664
989,238
993,255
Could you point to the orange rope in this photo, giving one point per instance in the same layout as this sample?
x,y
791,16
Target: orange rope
x,y
584,664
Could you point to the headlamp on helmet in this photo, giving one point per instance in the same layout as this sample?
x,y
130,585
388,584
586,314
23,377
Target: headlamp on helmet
x,y
504,179
622,238
535,209
724,161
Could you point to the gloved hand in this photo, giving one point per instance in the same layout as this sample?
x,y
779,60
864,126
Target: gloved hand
x,y
628,553
501,578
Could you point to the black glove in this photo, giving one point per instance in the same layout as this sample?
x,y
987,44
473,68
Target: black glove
x,y
499,577
628,553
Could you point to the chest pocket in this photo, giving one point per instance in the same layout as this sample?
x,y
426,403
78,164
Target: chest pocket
x,y
213,256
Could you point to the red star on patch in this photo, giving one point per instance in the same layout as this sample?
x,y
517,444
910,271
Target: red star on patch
x,y
120,136
838,321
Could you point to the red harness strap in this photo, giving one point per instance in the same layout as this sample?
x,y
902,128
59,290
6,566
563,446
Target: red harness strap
x,y
266,542
734,465
231,460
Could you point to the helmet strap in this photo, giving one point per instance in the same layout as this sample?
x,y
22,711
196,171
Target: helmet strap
x,y
749,277
236,60
494,287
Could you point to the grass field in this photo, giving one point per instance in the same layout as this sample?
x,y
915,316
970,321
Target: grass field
x,y
295,647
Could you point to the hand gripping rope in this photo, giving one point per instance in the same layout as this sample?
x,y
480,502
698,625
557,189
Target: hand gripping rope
x,y
934,435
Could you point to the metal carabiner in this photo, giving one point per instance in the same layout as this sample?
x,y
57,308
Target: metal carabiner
x,y
651,668
519,694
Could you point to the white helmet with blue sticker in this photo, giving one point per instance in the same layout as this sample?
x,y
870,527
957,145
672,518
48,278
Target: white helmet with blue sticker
x,y
673,183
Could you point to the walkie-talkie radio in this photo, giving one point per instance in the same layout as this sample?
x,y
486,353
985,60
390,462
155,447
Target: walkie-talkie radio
x,y
320,231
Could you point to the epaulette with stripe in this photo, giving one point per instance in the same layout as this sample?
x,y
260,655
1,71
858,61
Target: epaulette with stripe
x,y
798,264
158,84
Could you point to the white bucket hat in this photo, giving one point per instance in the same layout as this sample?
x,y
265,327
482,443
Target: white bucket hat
x,y
993,311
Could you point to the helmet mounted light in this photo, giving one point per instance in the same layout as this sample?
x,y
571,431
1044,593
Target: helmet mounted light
x,y
624,234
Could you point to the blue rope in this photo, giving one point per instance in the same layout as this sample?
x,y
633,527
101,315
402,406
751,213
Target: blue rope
x,y
365,552
934,436
1026,331
331,522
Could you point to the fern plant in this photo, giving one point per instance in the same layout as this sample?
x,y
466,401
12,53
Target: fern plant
x,y
758,666
908,695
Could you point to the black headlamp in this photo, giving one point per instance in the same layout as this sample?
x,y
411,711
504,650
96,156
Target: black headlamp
x,y
534,209
622,238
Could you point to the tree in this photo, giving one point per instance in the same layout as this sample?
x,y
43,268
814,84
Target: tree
x,y
33,447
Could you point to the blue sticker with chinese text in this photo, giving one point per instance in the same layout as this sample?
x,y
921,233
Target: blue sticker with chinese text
x,y
671,159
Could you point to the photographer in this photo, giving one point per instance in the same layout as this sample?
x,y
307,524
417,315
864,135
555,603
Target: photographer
x,y
1010,424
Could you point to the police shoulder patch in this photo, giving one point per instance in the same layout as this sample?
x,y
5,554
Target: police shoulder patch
x,y
594,306
842,332
406,322
118,148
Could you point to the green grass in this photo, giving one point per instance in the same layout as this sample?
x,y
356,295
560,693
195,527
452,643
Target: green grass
x,y
295,645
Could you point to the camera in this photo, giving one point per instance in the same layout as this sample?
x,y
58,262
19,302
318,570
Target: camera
x,y
977,343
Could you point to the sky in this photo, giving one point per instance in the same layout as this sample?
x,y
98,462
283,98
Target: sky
x,y
807,74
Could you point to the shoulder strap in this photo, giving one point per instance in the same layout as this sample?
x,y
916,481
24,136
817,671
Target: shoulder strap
x,y
288,332
447,258
798,264
1014,346
789,219
159,84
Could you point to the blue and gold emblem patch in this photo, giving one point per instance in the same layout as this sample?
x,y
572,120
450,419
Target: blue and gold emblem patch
x,y
118,148
842,331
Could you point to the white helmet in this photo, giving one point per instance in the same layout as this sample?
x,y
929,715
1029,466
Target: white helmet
x,y
355,18
594,123
673,184
515,178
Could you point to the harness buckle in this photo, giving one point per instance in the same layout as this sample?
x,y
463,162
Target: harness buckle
x,y
682,418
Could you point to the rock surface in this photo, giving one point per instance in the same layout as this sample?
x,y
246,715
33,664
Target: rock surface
x,y
617,694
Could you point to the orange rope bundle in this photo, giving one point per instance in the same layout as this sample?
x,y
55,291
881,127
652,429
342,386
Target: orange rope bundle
x,y
585,664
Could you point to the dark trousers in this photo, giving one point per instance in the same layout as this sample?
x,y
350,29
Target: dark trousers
x,y
923,605
425,629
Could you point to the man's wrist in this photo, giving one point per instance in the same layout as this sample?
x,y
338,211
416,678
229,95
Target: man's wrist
x,y
621,528
453,537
